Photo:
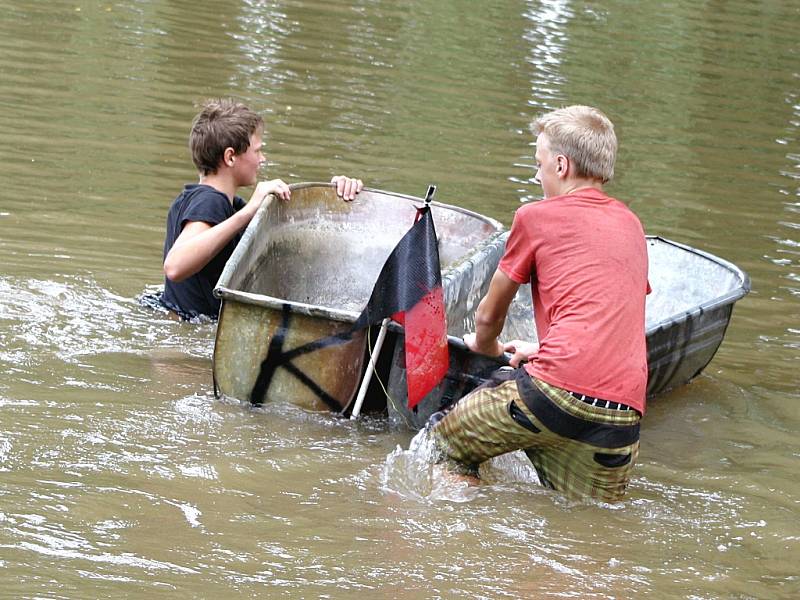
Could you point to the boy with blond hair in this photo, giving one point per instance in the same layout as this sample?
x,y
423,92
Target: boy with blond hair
x,y
206,220
574,405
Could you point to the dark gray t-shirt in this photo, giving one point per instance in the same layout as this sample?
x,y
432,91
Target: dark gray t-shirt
x,y
194,295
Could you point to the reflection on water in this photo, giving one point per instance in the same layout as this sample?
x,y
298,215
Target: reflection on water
x,y
121,474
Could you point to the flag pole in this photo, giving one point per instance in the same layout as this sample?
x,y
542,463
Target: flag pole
x,y
362,391
429,195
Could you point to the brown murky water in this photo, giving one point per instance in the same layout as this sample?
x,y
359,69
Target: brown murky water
x,y
119,472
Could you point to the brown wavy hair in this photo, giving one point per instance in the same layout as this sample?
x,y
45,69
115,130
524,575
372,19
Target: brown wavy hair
x,y
222,123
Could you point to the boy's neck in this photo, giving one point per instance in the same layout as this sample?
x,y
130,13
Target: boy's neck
x,y
221,182
572,185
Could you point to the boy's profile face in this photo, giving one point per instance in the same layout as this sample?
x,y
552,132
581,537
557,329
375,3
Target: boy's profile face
x,y
247,164
546,167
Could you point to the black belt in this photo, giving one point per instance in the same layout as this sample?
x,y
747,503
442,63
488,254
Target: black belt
x,y
554,418
600,403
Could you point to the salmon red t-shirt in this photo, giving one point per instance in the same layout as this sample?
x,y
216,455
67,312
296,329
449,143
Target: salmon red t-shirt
x,y
585,256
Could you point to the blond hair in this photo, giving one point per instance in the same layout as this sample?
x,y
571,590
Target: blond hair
x,y
583,134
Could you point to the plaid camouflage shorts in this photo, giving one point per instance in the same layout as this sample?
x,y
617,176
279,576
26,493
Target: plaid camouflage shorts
x,y
577,449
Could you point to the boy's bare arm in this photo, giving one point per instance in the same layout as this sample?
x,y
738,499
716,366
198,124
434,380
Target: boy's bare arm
x,y
491,316
199,242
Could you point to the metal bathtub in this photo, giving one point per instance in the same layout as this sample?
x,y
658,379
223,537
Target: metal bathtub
x,y
304,269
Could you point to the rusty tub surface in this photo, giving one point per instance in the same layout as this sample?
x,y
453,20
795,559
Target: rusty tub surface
x,y
303,272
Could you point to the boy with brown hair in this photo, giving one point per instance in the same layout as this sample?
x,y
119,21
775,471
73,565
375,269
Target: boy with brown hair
x,y
206,220
574,406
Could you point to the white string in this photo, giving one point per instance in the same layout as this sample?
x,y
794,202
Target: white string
x,y
371,370
375,374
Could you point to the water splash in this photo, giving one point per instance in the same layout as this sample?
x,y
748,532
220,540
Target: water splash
x,y
413,474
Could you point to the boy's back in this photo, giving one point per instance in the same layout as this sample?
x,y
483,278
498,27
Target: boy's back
x,y
586,256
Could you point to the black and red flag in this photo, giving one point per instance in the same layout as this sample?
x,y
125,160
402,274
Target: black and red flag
x,y
409,290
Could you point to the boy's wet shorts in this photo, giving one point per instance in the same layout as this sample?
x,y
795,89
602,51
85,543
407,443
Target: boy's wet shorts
x,y
579,449
155,300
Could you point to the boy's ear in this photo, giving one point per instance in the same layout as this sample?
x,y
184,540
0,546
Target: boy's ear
x,y
563,164
228,156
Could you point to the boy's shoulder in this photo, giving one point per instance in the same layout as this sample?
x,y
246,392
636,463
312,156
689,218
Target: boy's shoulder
x,y
199,202
199,190
589,198
194,194
587,206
